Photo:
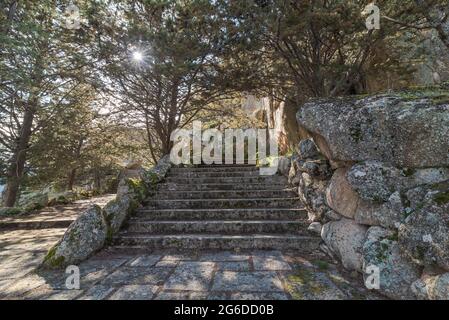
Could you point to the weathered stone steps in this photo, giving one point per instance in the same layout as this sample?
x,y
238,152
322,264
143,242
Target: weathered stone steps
x,y
223,214
218,226
214,169
221,241
223,203
236,180
220,207
224,174
225,194
221,186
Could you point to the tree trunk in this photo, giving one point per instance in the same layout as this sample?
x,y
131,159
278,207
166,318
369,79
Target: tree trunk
x,y
17,163
71,179
97,181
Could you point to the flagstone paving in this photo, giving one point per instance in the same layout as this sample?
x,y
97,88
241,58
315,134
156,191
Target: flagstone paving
x,y
221,275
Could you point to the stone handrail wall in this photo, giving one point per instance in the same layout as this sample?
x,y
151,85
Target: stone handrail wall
x,y
95,227
374,178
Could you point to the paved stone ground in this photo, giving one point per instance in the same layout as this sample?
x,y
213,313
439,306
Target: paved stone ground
x,y
117,274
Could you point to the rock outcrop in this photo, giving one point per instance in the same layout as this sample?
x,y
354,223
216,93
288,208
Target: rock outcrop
x,y
389,128
387,160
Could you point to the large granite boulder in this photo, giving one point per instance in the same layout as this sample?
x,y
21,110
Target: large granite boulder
x,y
403,132
84,237
424,235
397,272
340,196
375,181
388,214
345,239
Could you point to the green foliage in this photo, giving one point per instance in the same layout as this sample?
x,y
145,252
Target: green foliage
x,y
10,211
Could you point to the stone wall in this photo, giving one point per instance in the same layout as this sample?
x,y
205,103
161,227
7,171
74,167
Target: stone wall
x,y
374,177
95,227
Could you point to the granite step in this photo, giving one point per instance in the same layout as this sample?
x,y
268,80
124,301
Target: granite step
x,y
224,165
223,214
240,179
231,174
215,169
223,203
221,186
216,226
225,194
220,241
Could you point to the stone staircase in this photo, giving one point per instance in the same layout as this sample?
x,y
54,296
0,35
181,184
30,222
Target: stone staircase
x,y
220,207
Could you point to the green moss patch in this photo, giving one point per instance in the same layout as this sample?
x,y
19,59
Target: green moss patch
x,y
322,265
303,282
437,94
138,187
442,198
51,261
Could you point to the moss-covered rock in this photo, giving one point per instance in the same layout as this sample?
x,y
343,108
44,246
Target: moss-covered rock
x,y
85,236
138,189
406,132
158,172
424,235
117,211
397,272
